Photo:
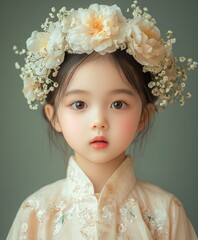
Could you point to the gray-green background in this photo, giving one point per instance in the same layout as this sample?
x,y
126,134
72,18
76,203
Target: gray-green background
x,y
170,156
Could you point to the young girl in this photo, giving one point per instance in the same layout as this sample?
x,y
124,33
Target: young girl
x,y
101,78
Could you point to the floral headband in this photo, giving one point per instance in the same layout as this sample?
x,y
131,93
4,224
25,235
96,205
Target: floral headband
x,y
103,29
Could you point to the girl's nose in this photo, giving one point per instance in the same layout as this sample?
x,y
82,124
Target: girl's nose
x,y
100,123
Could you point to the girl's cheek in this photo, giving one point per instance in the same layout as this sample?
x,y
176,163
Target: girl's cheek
x,y
72,128
127,128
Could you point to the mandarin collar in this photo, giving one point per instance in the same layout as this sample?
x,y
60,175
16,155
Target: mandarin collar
x,y
117,187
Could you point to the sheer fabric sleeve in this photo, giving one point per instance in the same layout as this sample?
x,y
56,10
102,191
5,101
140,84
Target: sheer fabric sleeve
x,y
19,226
25,225
181,228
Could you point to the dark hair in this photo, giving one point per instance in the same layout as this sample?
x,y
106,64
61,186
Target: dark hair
x,y
133,72
126,64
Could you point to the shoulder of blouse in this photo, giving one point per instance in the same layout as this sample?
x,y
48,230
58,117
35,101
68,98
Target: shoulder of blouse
x,y
47,194
150,194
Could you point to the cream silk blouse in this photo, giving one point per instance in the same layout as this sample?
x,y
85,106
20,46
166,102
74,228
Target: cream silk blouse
x,y
127,208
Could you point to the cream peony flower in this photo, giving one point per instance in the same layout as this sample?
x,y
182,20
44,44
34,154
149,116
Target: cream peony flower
x,y
38,41
28,89
145,42
38,68
49,48
100,28
55,47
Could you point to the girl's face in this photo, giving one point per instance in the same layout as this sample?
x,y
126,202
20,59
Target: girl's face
x,y
99,103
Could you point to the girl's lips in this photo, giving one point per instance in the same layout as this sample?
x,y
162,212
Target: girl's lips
x,y
99,142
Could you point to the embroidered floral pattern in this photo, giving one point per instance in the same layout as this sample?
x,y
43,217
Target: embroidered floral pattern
x,y
87,217
113,216
66,212
23,231
121,228
31,203
128,210
106,213
59,217
40,214
157,223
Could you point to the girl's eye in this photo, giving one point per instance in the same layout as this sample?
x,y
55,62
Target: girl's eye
x,y
78,105
118,105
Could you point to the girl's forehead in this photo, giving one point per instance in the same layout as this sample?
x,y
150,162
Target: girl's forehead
x,y
96,73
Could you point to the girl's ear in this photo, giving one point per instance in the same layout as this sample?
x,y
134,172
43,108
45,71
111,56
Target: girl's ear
x,y
49,111
146,116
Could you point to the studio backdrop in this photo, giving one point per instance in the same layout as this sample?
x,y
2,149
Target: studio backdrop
x,y
169,156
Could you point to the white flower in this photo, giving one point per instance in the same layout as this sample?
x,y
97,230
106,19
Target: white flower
x,y
171,70
100,28
69,21
28,89
47,47
17,66
145,42
38,41
55,47
38,67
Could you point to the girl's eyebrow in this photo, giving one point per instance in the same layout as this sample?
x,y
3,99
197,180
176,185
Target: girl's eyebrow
x,y
76,91
115,91
122,91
